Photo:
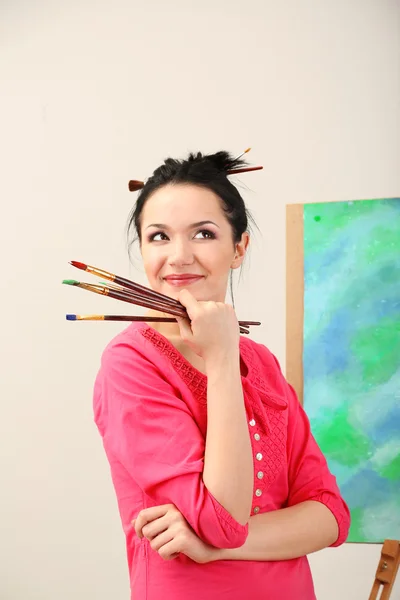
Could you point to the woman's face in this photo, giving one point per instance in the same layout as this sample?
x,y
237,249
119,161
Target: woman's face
x,y
187,242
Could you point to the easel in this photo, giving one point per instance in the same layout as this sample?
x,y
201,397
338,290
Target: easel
x,y
387,570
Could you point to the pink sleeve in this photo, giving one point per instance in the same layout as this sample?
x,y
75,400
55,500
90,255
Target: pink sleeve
x,y
309,475
150,430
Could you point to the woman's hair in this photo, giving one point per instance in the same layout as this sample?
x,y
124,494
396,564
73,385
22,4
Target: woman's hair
x,y
207,171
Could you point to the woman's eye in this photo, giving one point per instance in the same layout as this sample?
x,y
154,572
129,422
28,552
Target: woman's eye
x,y
159,236
205,234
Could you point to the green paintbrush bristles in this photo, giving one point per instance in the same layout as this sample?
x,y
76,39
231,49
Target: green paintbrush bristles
x,y
71,282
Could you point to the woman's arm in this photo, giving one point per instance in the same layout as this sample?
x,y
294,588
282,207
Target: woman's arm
x,y
228,463
285,534
228,472
316,516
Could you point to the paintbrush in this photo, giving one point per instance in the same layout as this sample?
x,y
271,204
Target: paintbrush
x,y
243,325
135,293
132,298
132,285
134,184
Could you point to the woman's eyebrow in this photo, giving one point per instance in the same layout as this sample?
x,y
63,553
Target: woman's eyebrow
x,y
192,226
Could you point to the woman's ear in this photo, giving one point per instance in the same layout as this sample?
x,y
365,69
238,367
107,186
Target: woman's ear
x,y
240,250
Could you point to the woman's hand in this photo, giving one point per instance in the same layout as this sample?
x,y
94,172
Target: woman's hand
x,y
214,329
169,534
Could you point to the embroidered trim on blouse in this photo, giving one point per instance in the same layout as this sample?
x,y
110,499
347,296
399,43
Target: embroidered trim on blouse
x,y
194,379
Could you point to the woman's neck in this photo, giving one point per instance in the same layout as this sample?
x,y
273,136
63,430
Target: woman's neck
x,y
168,330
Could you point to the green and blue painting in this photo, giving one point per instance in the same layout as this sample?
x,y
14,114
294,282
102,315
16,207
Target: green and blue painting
x,y
351,355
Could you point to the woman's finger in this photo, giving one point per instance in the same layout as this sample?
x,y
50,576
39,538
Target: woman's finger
x,y
151,530
148,515
170,550
188,301
161,540
184,328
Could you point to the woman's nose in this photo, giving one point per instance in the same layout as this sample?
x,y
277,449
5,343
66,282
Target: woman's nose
x,y
181,253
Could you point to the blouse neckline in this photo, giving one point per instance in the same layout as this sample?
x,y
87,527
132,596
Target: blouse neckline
x,y
255,378
143,326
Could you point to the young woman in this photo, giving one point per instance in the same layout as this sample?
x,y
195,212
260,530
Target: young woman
x,y
222,489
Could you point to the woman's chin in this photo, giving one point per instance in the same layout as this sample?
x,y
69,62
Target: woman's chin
x,y
198,292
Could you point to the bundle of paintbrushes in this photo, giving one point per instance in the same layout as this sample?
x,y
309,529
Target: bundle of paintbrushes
x,y
126,290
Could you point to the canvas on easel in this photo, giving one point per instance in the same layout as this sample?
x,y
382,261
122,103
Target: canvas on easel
x,y
343,349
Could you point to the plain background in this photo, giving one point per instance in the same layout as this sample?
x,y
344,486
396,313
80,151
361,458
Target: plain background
x,y
95,93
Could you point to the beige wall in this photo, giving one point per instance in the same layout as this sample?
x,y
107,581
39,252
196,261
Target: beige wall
x,y
95,93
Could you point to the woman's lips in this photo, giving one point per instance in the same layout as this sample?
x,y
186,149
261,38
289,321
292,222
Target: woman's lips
x,y
182,280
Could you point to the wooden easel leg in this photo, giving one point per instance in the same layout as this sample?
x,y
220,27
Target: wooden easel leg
x,y
375,591
387,570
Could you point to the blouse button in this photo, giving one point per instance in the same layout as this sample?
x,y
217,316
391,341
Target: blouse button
x,y
258,456
257,437
252,422
260,474
258,493
256,509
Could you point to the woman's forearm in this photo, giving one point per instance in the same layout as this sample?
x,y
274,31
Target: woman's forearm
x,y
228,463
286,534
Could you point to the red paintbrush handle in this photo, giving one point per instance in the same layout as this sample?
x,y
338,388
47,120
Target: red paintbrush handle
x,y
147,291
156,304
146,302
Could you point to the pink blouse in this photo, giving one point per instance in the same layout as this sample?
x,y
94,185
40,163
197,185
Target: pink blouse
x,y
150,406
